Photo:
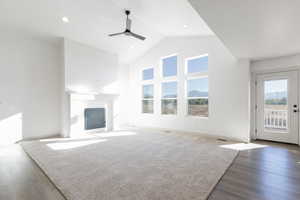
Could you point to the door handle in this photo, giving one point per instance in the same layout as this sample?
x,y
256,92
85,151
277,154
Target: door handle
x,y
295,108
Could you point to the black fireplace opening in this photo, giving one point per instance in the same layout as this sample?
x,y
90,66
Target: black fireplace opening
x,y
94,118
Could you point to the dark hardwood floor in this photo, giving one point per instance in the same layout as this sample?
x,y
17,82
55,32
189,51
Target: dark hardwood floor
x,y
270,173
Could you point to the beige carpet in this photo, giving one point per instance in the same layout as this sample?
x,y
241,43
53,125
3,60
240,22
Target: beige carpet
x,y
133,165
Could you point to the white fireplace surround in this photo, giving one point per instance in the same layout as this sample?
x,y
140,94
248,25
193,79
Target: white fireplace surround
x,y
77,119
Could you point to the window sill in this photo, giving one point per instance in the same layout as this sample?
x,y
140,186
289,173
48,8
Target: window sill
x,y
196,116
147,113
169,78
169,115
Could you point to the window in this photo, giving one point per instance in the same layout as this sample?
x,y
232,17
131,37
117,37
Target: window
x,y
147,101
197,86
169,98
197,64
147,90
276,106
169,66
148,74
197,96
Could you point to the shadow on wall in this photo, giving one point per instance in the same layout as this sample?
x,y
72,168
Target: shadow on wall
x,y
74,119
11,129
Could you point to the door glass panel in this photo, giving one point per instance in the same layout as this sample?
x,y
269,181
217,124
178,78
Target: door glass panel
x,y
276,105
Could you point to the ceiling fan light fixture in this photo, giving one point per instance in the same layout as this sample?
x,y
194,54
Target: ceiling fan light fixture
x,y
128,31
65,20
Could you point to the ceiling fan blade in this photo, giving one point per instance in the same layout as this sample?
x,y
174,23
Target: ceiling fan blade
x,y
136,36
128,24
114,34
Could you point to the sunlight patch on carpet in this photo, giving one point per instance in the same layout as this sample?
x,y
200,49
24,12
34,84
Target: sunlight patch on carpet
x,y
73,144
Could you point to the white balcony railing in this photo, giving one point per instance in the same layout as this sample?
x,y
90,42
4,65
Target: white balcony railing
x,y
276,119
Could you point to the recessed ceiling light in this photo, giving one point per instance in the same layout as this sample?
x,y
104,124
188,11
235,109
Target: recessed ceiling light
x,y
185,26
65,20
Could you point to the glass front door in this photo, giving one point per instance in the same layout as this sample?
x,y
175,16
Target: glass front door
x,y
277,107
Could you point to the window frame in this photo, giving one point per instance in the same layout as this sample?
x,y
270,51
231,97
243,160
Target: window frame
x,y
195,73
147,82
142,74
162,69
192,76
147,99
172,98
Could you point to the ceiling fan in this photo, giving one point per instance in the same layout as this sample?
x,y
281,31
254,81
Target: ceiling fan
x,y
127,30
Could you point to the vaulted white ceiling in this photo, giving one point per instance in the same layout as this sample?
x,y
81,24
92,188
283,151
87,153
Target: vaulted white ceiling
x,y
92,20
254,29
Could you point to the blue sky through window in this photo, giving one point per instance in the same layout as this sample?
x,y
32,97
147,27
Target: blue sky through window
x,y
198,65
170,66
147,91
169,90
197,87
148,74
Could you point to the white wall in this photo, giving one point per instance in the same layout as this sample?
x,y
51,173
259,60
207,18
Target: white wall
x,y
65,98
278,63
121,102
92,71
89,70
229,89
30,85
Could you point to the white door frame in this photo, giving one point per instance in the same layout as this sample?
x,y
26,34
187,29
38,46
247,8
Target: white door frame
x,y
291,135
253,92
